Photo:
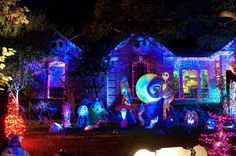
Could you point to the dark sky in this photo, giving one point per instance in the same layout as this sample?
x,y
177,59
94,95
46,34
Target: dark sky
x,y
64,12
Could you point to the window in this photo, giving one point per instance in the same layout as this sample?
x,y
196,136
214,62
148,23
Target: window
x,y
190,84
139,69
56,78
204,84
176,83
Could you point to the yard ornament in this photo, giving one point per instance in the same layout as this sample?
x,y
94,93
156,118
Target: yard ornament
x,y
125,91
97,112
174,151
151,89
83,118
125,107
191,119
66,112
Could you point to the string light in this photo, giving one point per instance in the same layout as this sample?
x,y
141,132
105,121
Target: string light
x,y
14,123
218,142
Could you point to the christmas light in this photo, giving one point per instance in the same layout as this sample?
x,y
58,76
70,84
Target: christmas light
x,y
218,142
14,123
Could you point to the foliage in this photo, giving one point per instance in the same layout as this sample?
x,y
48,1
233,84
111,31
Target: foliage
x,y
14,123
12,17
31,45
4,80
167,21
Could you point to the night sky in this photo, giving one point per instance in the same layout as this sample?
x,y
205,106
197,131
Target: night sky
x,y
76,13
64,12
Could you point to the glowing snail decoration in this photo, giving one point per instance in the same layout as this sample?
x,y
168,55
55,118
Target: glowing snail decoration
x,y
147,86
151,88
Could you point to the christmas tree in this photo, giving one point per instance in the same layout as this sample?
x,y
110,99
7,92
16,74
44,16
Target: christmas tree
x,y
218,142
14,123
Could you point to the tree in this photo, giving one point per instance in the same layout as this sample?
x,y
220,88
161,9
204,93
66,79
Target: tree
x,y
14,123
4,80
12,17
167,21
32,49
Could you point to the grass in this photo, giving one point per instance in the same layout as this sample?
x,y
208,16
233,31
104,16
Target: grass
x,y
103,141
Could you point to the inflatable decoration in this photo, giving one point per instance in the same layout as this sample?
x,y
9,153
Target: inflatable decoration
x,y
125,91
97,114
83,118
125,107
191,119
55,128
66,112
174,151
150,89
210,124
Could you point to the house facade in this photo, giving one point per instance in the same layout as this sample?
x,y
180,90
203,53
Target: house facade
x,y
51,81
194,79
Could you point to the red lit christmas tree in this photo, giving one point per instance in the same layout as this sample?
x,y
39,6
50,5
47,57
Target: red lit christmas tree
x,y
218,142
14,123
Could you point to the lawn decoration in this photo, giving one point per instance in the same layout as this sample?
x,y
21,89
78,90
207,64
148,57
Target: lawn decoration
x,y
174,151
66,112
150,89
152,122
178,115
83,118
97,112
210,124
55,128
125,107
218,142
43,108
125,91
14,147
97,115
14,122
191,119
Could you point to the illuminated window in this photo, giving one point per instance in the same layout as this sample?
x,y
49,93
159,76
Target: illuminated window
x,y
190,84
56,79
204,84
139,69
176,83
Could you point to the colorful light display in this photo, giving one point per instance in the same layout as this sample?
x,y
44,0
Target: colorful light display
x,y
142,88
219,141
14,123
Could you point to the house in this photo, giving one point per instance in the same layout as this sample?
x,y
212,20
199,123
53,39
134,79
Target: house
x,y
196,80
51,81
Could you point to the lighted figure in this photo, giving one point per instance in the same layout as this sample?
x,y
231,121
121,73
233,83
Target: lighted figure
x,y
191,119
97,112
174,151
14,147
125,107
66,112
125,91
153,121
167,95
83,118
210,124
151,89
55,128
